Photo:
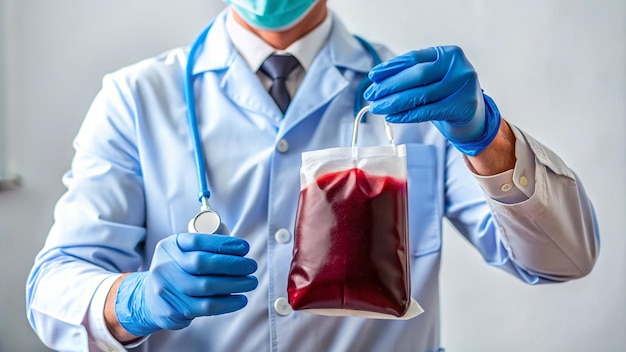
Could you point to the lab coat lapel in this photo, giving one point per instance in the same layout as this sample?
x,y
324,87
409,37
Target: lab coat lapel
x,y
237,82
325,79
322,83
243,87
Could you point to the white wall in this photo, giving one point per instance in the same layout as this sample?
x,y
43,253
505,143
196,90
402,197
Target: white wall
x,y
556,68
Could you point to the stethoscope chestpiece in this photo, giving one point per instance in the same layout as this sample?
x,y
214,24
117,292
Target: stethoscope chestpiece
x,y
207,221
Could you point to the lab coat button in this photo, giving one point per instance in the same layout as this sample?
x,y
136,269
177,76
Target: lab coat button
x,y
505,187
283,146
282,307
282,236
523,180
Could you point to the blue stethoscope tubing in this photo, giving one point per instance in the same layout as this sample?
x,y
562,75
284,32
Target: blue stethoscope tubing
x,y
208,221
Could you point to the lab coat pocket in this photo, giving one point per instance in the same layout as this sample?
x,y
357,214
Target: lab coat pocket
x,y
425,203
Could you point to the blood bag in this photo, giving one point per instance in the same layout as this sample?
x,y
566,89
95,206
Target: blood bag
x,y
351,255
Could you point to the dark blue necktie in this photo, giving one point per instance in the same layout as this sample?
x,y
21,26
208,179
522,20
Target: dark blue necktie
x,y
278,67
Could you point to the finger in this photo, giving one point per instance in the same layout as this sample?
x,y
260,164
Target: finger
x,y
434,112
205,306
419,96
415,76
212,243
204,286
417,115
206,263
391,67
201,262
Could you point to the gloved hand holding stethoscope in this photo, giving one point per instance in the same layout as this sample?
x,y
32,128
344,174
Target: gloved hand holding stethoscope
x,y
191,275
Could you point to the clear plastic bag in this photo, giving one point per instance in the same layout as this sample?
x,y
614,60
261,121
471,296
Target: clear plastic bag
x,y
351,250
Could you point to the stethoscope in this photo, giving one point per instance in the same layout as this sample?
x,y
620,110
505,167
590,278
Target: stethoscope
x,y
208,220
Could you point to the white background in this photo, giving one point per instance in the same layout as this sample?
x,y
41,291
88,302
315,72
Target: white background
x,y
556,68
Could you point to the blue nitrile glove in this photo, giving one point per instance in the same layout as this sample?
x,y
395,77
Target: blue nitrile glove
x,y
439,85
191,275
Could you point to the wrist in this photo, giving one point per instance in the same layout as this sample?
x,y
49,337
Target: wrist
x,y
491,126
465,132
110,316
131,309
499,156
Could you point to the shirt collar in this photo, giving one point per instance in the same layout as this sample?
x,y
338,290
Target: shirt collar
x,y
254,50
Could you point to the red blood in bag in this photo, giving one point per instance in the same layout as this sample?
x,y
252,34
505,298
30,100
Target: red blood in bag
x,y
350,245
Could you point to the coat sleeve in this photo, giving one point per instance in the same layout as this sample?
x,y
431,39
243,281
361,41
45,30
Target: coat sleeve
x,y
98,223
549,235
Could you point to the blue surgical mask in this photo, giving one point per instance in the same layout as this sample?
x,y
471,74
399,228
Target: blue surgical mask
x,y
273,15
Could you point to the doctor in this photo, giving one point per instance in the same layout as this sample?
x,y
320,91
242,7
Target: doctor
x,y
118,269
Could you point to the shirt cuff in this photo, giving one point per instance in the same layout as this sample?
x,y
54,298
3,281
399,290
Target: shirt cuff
x,y
99,334
515,185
